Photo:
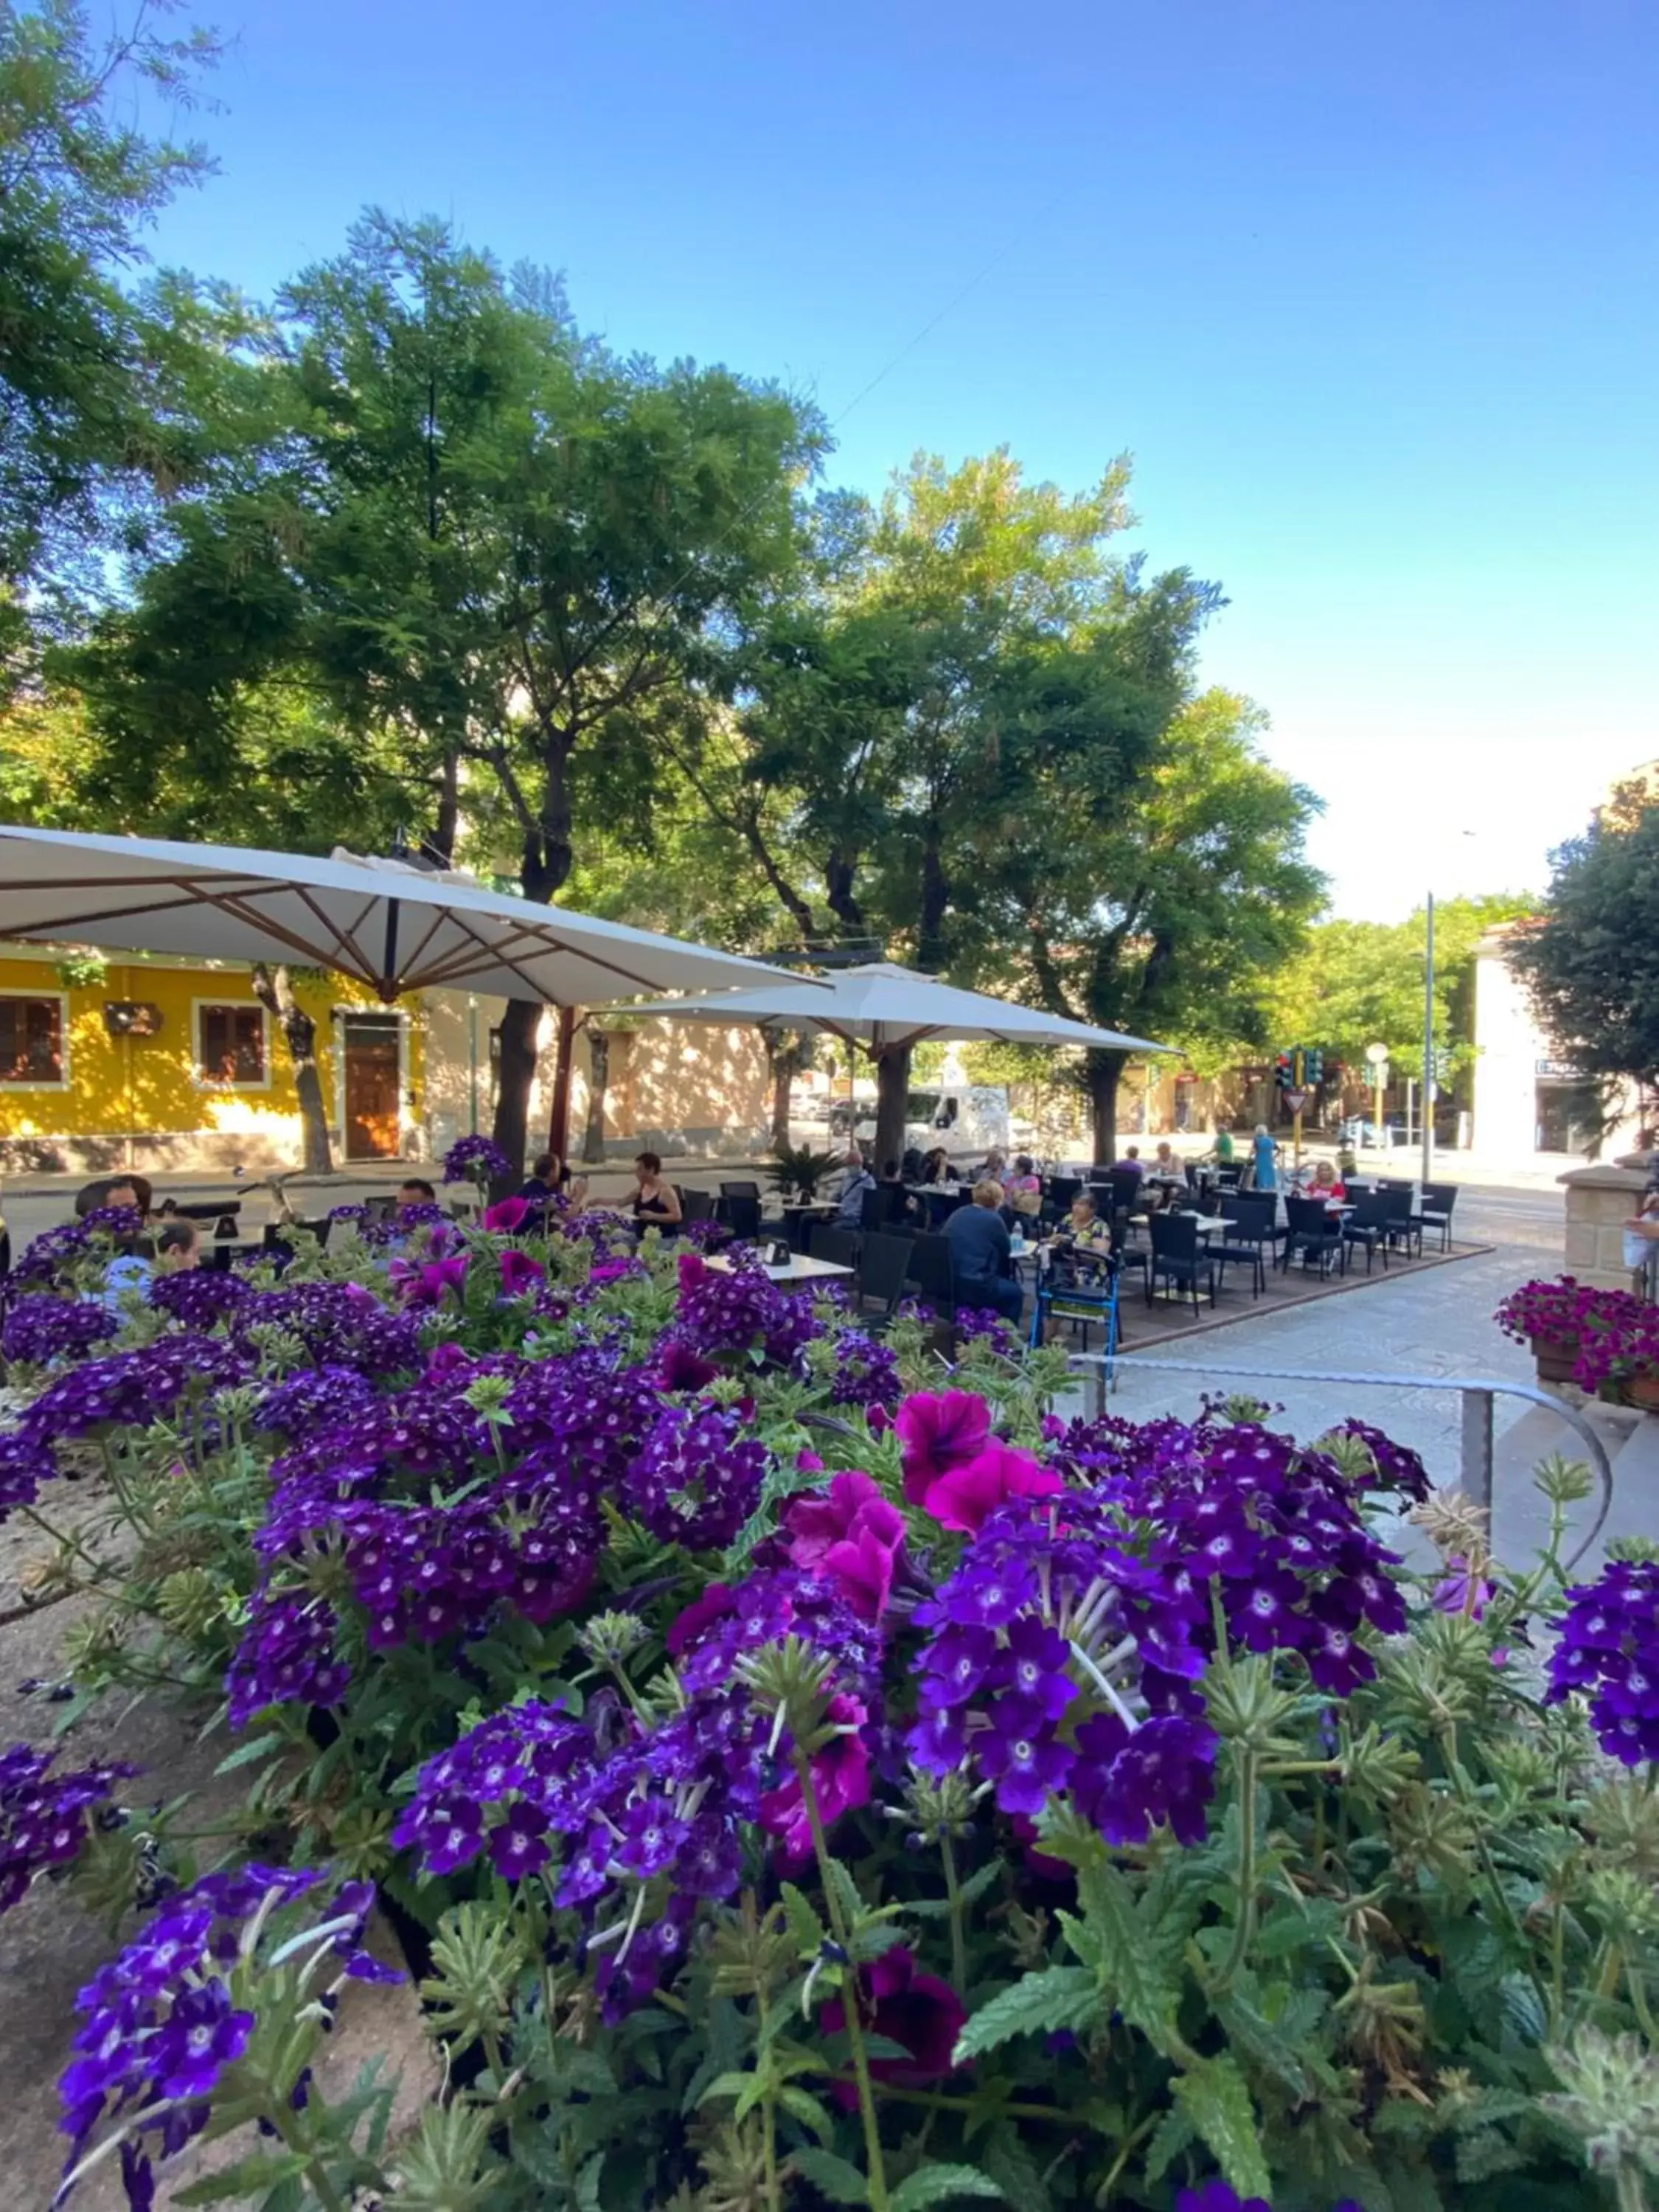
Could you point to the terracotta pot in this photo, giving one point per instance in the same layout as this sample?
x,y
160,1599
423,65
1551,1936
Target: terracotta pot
x,y
1643,1390
1555,1358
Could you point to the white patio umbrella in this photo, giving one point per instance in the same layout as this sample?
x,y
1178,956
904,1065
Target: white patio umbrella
x,y
881,1005
394,926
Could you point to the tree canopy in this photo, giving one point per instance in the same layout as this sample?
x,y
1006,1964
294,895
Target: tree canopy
x,y
1591,960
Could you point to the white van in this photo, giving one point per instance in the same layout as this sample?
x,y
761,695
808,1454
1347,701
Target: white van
x,y
968,1121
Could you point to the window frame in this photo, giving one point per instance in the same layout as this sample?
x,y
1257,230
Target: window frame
x,y
63,1080
199,1076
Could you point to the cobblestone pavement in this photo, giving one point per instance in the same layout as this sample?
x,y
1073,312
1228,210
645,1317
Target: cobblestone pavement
x,y
1437,1322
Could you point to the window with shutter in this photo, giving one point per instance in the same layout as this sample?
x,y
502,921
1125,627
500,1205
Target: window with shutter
x,y
31,1042
231,1045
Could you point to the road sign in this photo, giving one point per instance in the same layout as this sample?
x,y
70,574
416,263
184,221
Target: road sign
x,y
1295,1100
1377,1056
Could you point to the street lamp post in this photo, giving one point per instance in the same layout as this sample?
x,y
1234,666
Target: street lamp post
x,y
1427,1093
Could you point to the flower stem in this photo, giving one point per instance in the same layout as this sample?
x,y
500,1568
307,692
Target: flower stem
x,y
321,2187
1244,1927
959,1939
877,2176
768,2112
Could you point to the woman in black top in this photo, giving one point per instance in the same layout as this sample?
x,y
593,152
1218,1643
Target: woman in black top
x,y
655,1202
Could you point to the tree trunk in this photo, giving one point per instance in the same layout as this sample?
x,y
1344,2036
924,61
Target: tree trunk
x,y
840,873
543,867
521,1021
274,989
449,808
892,1089
598,1078
1105,1069
935,904
787,1053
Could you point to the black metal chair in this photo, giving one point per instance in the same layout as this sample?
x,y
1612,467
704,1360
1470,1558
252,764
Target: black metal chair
x,y
741,1213
1438,1199
1252,1218
931,1271
697,1205
1059,1191
884,1270
883,1207
1314,1233
741,1190
1178,1256
828,1240
1247,1240
1368,1224
1404,1227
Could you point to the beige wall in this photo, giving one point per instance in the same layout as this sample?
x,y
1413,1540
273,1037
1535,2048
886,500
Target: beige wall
x,y
1510,1053
681,1087
1600,1200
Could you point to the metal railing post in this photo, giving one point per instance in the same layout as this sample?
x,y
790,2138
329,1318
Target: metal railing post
x,y
1478,1447
1478,1391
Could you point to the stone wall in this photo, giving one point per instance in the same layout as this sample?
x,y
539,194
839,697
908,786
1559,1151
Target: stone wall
x,y
1600,1200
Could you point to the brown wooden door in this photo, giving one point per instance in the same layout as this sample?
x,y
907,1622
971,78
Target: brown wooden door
x,y
374,1087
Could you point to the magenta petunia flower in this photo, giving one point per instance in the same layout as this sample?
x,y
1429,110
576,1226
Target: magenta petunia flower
x,y
964,1496
518,1272
938,1431
504,1216
852,1535
717,1603
900,2004
840,1782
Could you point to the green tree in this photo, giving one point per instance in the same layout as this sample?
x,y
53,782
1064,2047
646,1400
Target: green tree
x,y
476,537
1591,961
1166,916
895,716
82,414
1357,983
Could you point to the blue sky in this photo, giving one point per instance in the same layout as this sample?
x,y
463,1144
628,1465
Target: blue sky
x,y
1367,293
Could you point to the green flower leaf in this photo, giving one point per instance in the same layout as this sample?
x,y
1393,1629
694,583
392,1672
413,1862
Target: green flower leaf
x,y
1217,2100
831,2177
1059,1996
935,2184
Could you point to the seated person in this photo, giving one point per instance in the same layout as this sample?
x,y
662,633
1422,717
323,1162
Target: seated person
x,y
892,1173
130,1267
936,1168
550,1177
1083,1227
1166,1164
995,1169
911,1166
655,1202
133,1190
414,1190
1131,1164
1024,1186
980,1255
1327,1184
178,1247
849,1215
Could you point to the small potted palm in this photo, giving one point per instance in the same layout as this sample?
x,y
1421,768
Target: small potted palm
x,y
797,1171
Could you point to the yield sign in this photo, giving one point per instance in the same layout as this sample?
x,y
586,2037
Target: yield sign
x,y
1295,1100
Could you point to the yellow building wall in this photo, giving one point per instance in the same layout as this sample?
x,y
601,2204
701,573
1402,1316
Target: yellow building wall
x,y
143,1101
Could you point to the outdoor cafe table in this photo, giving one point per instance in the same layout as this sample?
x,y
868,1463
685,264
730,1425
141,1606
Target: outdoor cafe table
x,y
803,1210
801,1268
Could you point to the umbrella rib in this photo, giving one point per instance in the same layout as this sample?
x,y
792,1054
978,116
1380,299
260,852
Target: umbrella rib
x,y
230,903
470,958
344,939
556,943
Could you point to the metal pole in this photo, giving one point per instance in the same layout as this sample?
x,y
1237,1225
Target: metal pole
x,y
473,1062
1428,1051
1477,1446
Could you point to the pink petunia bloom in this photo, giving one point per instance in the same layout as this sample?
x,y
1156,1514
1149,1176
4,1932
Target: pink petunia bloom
x,y
446,1359
427,1284
700,1616
808,1463
938,1431
965,1497
1460,1592
504,1216
840,1783
520,1271
901,2005
680,1368
851,1535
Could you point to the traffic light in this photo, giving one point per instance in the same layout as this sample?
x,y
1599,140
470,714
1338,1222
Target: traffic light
x,y
1283,1079
1313,1066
